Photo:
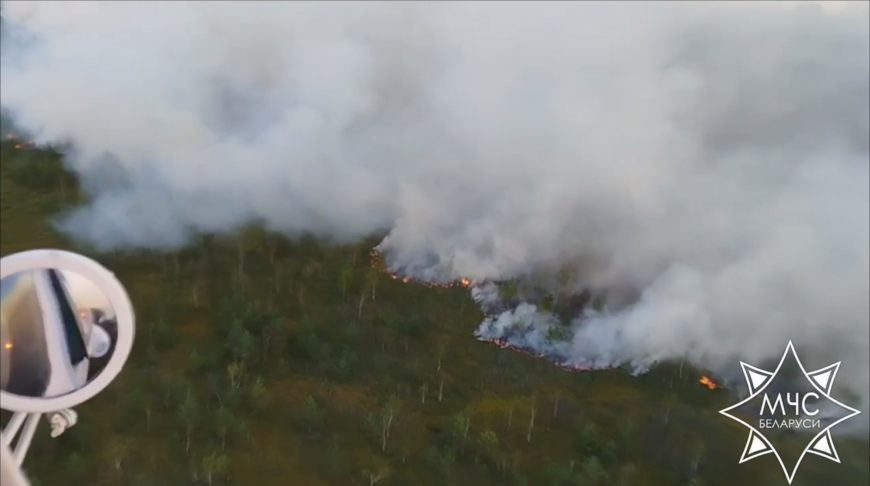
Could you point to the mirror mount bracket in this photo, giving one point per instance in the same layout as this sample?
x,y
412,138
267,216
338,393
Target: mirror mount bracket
x,y
61,420
23,426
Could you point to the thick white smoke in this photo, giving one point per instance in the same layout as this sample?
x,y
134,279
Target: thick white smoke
x,y
710,158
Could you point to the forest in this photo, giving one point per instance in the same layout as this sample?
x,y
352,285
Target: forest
x,y
261,360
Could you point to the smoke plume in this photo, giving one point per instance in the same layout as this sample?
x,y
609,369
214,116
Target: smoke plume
x,y
705,164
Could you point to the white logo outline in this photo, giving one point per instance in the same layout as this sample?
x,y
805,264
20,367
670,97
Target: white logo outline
x,y
822,444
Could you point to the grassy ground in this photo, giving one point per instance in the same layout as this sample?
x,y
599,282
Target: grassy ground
x,y
254,365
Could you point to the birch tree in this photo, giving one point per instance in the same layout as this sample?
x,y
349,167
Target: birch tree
x,y
117,450
188,415
214,465
388,413
224,420
532,414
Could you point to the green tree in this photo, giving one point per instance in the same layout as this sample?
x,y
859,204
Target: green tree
x,y
557,474
40,169
242,431
587,443
699,449
117,449
444,460
345,278
599,303
370,286
224,421
546,303
565,276
214,465
235,373
459,426
240,344
273,244
259,393
489,444
388,414
592,471
202,360
627,436
75,467
334,458
510,290
33,479
610,451
671,400
627,475
248,239
533,412
312,412
188,415
440,351
175,391
557,334
373,468
423,390
265,325
160,334
309,342
143,403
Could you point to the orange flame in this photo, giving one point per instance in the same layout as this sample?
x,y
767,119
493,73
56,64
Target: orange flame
x,y
376,260
466,282
706,381
22,144
503,344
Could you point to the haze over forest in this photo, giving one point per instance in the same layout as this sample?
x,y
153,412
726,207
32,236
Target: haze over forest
x,y
705,166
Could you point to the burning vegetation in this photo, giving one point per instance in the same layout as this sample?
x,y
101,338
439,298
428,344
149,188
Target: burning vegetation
x,y
503,344
569,304
377,263
708,382
19,144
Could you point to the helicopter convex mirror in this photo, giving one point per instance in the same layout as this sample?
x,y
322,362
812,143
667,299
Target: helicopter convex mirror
x,y
66,330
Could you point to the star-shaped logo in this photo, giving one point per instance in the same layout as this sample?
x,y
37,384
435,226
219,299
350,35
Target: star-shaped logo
x,y
822,380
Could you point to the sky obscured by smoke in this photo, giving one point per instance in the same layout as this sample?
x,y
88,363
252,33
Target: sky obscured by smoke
x,y
714,157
